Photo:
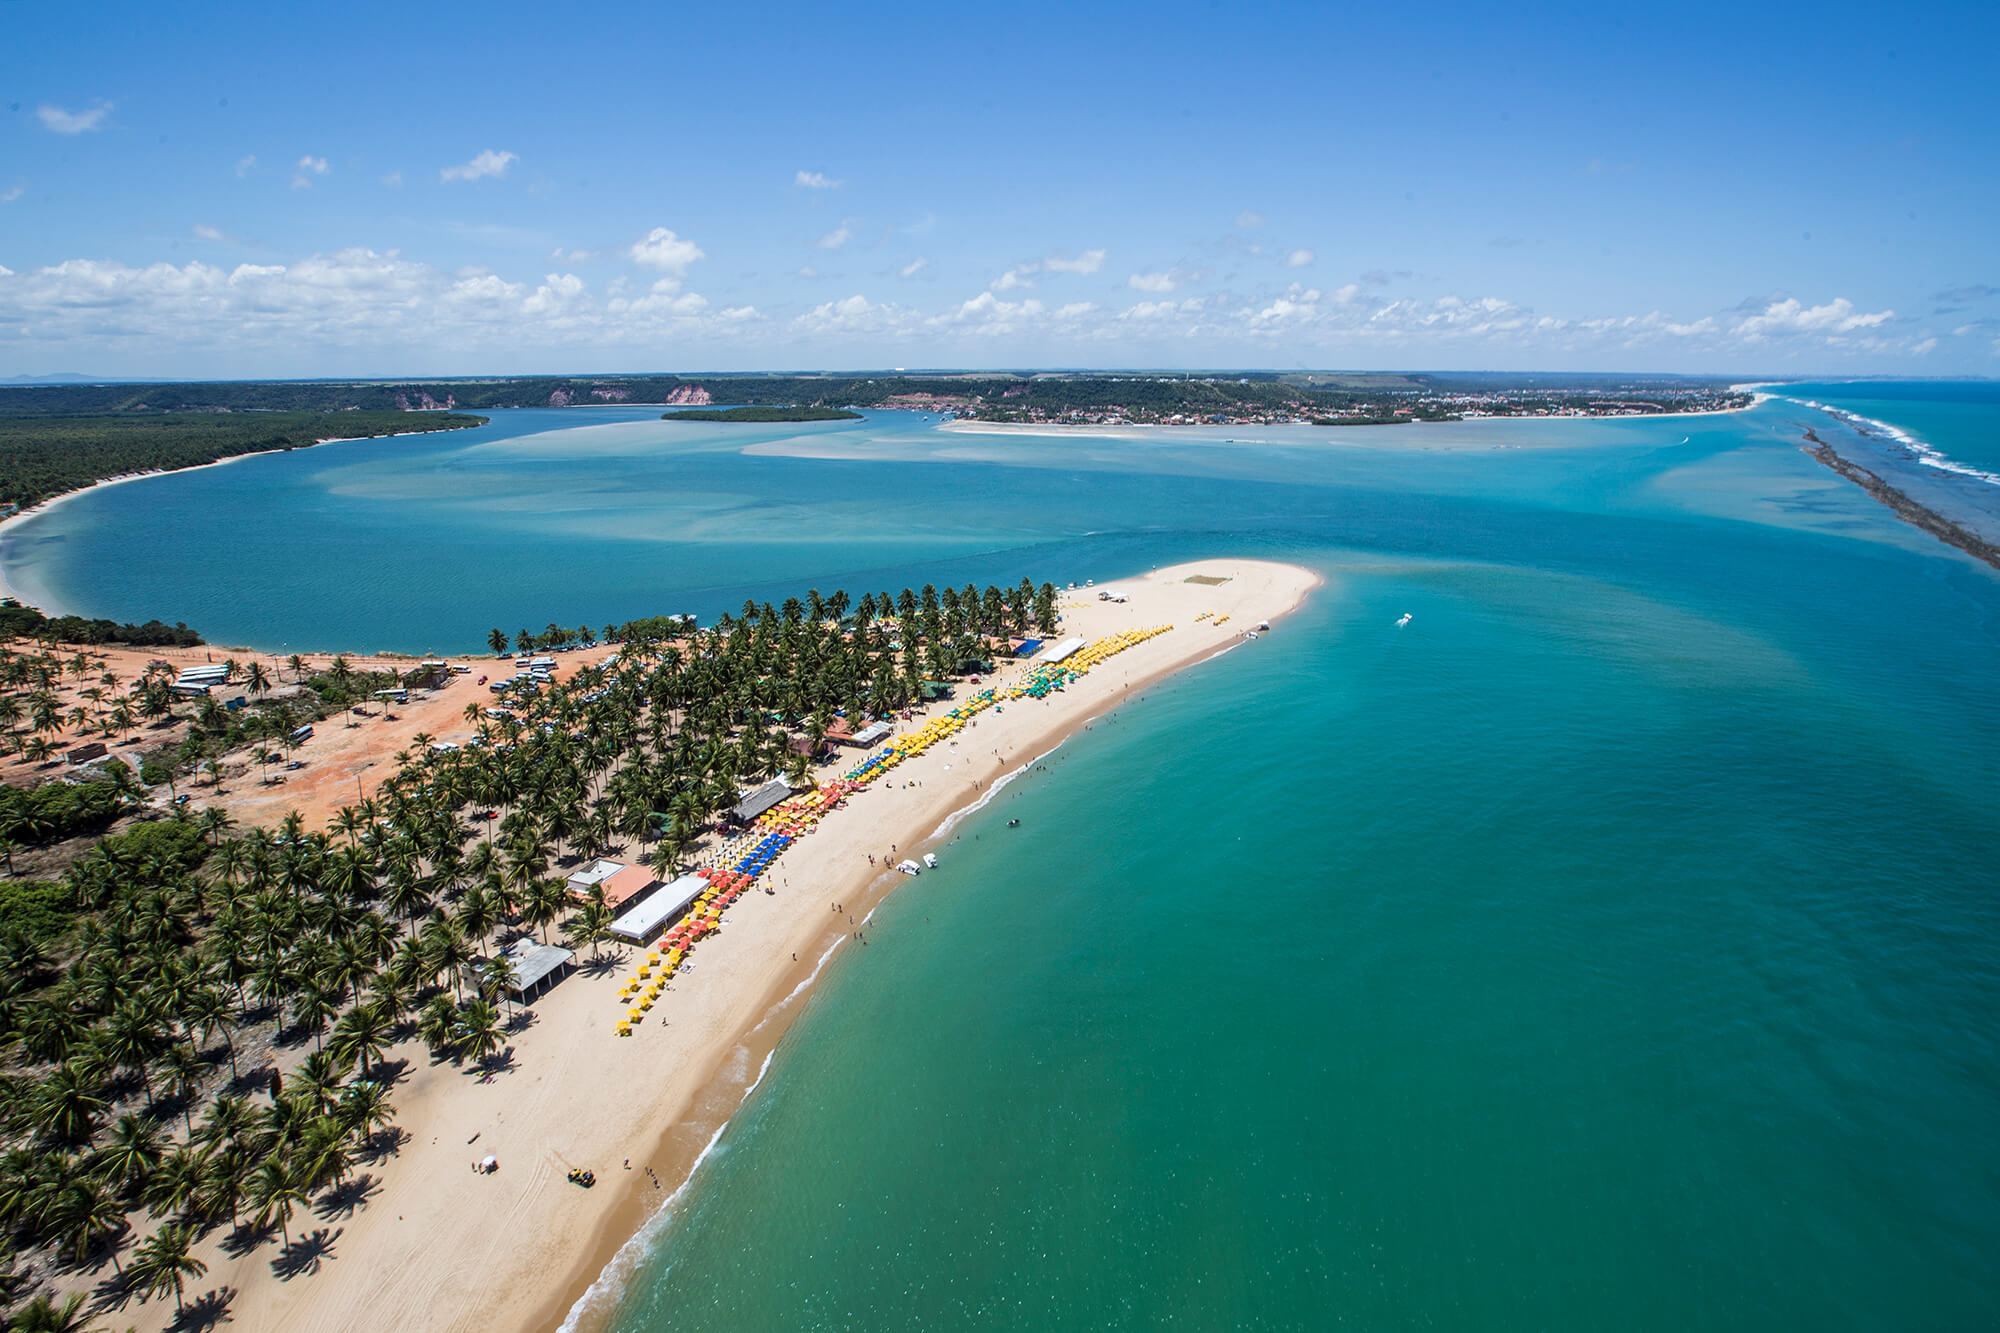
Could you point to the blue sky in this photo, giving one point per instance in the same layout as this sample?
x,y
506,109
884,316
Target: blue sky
x,y
234,190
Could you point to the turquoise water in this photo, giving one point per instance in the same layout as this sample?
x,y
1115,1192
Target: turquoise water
x,y
1616,946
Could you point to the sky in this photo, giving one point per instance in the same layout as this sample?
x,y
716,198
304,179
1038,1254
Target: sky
x,y
233,190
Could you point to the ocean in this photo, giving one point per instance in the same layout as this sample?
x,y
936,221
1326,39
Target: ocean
x,y
1613,945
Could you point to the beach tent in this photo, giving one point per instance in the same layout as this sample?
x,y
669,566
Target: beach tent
x,y
642,922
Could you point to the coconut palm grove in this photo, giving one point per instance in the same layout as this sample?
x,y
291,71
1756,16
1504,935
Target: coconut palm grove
x,y
151,991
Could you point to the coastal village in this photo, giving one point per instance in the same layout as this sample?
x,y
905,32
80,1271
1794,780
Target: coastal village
x,y
373,890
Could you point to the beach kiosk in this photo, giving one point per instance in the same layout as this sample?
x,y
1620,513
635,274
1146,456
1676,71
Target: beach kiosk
x,y
528,969
640,924
754,803
622,884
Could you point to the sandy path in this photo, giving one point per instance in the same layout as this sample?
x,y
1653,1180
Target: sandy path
x,y
440,1247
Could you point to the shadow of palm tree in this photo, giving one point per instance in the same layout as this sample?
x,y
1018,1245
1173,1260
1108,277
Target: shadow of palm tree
x,y
382,1144
113,1293
250,1080
343,1200
244,1237
306,1254
500,1062
204,1312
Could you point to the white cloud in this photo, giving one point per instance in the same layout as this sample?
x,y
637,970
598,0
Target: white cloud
x,y
1022,275
849,315
59,121
665,251
1790,316
557,291
1152,282
394,180
806,271
914,267
813,180
208,233
1088,262
562,256
348,309
246,164
315,165
1299,258
836,238
1247,219
9,196
486,163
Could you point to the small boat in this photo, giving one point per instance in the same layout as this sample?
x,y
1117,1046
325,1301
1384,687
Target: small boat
x,y
1013,823
910,868
930,860
1404,621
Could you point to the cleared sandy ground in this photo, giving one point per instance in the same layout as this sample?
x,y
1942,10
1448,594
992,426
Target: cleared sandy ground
x,y
437,1246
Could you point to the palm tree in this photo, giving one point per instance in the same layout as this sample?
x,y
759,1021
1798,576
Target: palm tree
x,y
130,1157
43,1315
82,1216
275,1190
67,1105
364,1107
162,1263
361,1034
260,680
477,1032
175,1181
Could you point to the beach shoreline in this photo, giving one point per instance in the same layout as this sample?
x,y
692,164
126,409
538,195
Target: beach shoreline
x,y
54,502
522,1248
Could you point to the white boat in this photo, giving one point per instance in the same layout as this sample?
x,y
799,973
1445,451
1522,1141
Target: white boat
x,y
930,860
1404,621
910,868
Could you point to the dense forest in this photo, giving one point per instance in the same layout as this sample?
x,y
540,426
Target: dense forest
x,y
25,622
43,456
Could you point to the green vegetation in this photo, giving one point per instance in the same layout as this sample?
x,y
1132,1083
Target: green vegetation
x,y
762,414
56,811
38,909
142,994
43,455
25,622
1147,396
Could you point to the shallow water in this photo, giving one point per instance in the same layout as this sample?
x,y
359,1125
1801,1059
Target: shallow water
x,y
1613,946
